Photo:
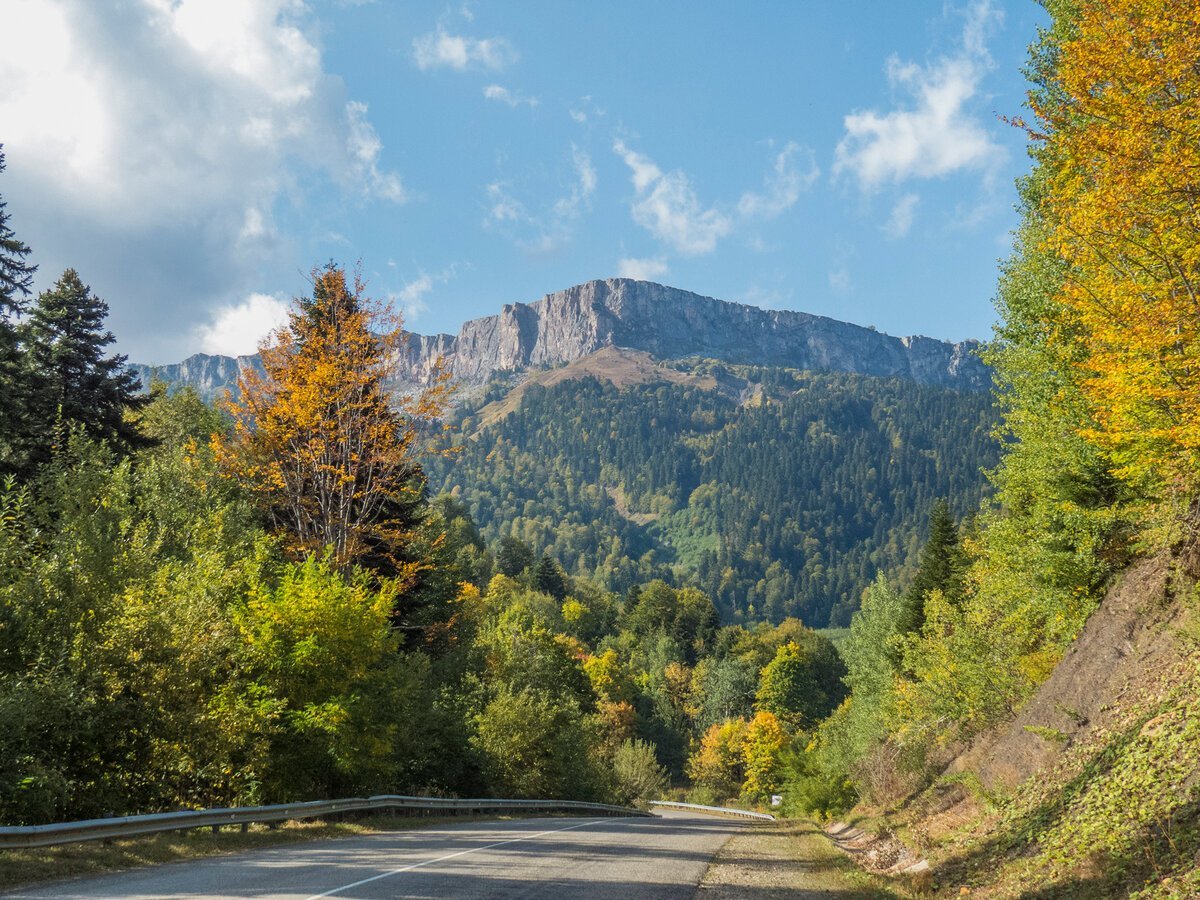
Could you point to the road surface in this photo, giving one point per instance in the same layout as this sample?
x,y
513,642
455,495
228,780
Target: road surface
x,y
622,859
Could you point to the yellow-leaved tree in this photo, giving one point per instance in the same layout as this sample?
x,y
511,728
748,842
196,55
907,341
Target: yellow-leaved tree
x,y
333,458
1122,133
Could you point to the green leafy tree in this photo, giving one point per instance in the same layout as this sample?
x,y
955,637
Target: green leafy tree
x,y
639,777
801,685
513,557
535,744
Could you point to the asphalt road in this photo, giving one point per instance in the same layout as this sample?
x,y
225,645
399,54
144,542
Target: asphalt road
x,y
629,859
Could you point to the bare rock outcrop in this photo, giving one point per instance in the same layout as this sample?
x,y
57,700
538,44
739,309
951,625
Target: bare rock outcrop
x,y
665,322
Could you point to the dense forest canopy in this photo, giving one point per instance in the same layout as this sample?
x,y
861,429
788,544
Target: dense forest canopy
x,y
783,497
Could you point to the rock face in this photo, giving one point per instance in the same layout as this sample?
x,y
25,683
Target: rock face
x,y
208,375
666,322
670,324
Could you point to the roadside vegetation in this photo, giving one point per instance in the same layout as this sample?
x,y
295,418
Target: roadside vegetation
x,y
1096,376
260,602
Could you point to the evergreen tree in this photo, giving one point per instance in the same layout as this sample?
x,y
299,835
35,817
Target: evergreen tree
x,y
549,578
16,275
943,564
16,279
71,380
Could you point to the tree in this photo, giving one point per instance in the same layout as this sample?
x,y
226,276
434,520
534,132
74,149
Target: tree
x,y
719,764
16,275
535,745
16,281
941,567
548,577
638,775
765,742
514,556
1121,145
316,436
71,380
801,685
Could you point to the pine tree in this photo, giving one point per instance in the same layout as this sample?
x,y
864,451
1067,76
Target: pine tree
x,y
71,380
16,275
549,578
16,280
941,568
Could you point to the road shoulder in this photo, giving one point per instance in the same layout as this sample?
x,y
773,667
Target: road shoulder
x,y
790,858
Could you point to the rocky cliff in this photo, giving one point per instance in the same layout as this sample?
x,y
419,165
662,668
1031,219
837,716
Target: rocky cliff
x,y
666,322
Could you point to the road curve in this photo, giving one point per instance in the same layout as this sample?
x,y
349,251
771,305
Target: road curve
x,y
622,859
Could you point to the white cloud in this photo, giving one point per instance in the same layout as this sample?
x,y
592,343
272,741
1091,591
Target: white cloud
x,y
237,329
839,280
901,219
666,205
514,99
552,226
935,134
782,186
365,147
585,110
150,143
440,49
648,269
412,297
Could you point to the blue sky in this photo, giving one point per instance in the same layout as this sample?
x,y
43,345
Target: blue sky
x,y
193,160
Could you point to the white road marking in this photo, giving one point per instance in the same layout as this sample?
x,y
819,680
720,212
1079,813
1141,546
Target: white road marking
x,y
430,862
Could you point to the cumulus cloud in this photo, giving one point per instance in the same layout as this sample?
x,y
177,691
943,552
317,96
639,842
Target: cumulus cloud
x,y
442,50
550,227
935,133
150,144
237,329
649,269
794,171
665,204
901,219
501,94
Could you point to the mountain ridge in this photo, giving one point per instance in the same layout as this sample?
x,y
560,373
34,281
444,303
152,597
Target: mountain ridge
x,y
668,323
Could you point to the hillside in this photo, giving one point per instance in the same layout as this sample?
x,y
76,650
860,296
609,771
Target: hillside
x,y
778,492
1091,790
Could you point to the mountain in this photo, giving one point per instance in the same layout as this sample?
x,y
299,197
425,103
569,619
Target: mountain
x,y
665,322
776,459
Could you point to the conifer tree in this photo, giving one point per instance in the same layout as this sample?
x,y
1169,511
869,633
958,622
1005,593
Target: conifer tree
x,y
70,378
549,578
941,568
16,280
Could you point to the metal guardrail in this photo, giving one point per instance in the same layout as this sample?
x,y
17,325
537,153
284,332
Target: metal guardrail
x,y
722,810
27,836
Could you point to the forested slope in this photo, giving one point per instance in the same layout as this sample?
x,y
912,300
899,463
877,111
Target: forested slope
x,y
778,492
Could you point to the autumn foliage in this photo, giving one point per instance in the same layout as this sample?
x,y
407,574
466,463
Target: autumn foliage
x,y
1122,134
317,438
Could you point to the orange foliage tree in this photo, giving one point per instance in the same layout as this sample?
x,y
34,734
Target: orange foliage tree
x,y
334,461
1122,132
